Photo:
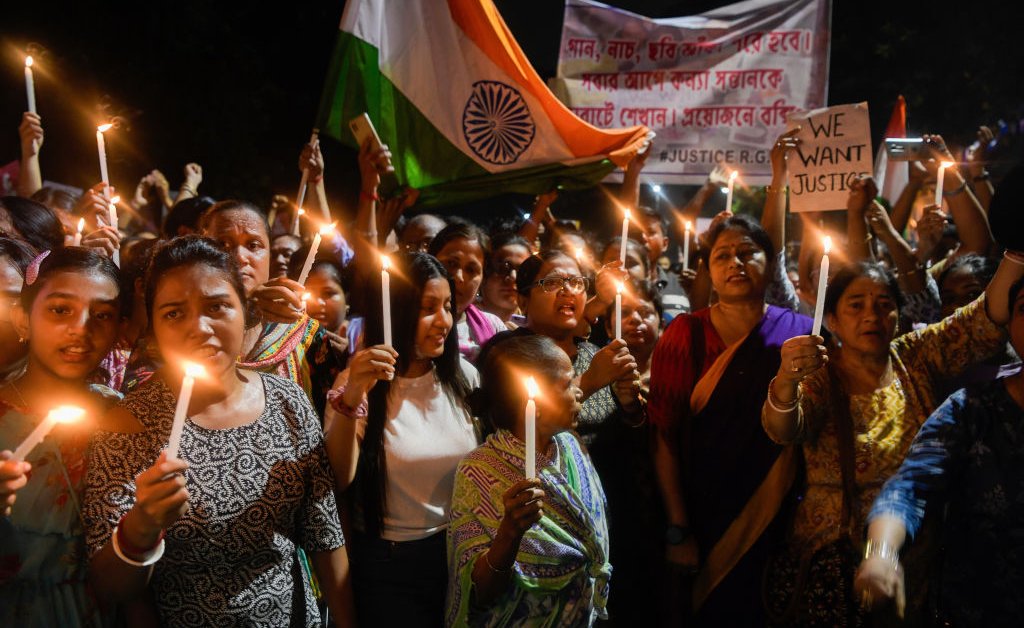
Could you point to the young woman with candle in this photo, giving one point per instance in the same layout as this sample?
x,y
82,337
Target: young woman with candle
x,y
397,427
213,533
854,422
67,317
327,286
522,551
463,248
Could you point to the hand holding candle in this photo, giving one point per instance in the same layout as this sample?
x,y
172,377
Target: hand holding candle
x,y
819,304
61,414
385,294
940,180
30,84
530,426
192,371
314,247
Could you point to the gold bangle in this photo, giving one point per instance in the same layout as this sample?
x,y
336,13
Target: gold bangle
x,y
487,561
883,550
773,190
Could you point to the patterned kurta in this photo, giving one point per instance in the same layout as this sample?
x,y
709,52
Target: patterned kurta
x,y
884,421
561,573
969,460
42,545
257,492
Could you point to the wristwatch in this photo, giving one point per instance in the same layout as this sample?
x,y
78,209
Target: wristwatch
x,y
675,535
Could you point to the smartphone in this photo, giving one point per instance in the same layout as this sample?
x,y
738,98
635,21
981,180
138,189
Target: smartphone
x,y
362,128
906,149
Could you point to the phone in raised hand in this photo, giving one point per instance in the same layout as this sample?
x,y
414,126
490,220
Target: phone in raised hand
x,y
362,129
906,149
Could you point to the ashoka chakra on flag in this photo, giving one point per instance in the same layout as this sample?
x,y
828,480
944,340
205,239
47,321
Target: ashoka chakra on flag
x,y
497,123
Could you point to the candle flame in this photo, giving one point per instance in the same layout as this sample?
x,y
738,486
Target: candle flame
x,y
733,175
629,216
327,229
66,414
28,61
301,211
618,287
948,164
531,387
385,262
115,200
81,224
194,370
827,243
305,297
689,226
579,252
103,128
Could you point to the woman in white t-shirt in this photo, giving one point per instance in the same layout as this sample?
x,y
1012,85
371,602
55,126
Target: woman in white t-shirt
x,y
463,249
396,429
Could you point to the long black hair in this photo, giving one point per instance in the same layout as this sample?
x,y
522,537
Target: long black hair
x,y
34,222
408,279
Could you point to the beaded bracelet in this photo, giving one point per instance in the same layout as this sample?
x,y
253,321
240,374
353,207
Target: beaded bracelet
x,y
336,398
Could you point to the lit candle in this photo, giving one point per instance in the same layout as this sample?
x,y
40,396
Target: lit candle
x,y
78,234
728,193
102,148
385,295
325,230
819,304
940,180
305,300
61,414
686,246
625,236
530,427
192,371
30,84
300,197
579,256
295,222
114,223
618,310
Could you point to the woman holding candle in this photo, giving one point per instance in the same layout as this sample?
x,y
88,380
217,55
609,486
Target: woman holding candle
x,y
213,531
855,420
527,551
711,456
396,429
327,286
463,249
67,318
14,260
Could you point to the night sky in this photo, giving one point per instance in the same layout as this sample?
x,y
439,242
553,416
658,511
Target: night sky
x,y
235,86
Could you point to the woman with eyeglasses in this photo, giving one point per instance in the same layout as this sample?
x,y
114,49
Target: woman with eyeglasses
x,y
498,293
553,297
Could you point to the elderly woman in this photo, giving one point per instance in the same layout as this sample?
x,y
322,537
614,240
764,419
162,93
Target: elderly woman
x,y
527,551
855,420
966,459
722,480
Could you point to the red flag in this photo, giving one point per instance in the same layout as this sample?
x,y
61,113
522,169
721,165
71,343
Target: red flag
x,y
892,177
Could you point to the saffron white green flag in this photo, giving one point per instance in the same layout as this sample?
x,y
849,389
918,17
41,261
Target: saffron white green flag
x,y
463,111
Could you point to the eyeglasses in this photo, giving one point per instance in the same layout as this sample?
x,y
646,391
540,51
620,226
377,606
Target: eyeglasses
x,y
575,285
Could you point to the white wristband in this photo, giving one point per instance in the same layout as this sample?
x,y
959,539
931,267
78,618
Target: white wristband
x,y
154,555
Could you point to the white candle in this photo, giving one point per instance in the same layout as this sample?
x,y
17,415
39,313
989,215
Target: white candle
x,y
295,222
61,414
305,300
78,234
114,223
940,181
530,427
308,265
101,147
192,371
819,304
618,310
385,295
30,85
300,197
728,193
686,246
625,236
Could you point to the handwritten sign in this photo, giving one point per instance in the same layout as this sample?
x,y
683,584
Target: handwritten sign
x,y
835,149
715,87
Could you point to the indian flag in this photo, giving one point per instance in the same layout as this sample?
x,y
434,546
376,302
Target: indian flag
x,y
464,113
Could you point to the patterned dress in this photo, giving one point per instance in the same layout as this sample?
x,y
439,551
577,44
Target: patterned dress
x,y
561,573
257,493
42,545
968,460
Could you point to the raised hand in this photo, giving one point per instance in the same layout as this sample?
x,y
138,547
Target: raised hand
x,y
523,506
31,133
13,477
160,500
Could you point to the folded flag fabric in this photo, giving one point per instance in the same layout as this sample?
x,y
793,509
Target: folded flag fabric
x,y
465,114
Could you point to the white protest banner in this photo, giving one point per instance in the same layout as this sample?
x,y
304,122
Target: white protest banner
x,y
715,87
835,148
